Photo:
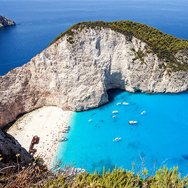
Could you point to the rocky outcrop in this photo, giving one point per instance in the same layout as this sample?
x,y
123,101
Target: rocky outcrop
x,y
76,72
4,22
9,148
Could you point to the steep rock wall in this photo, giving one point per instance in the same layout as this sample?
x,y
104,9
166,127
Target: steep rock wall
x,y
9,148
4,22
75,73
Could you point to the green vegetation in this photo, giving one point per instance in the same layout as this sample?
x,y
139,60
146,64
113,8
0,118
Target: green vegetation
x,y
164,45
139,55
35,174
122,178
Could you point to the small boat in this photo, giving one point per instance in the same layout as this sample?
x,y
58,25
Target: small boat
x,y
70,171
65,131
67,126
90,120
113,116
114,112
116,139
118,103
125,103
143,112
80,170
132,122
62,139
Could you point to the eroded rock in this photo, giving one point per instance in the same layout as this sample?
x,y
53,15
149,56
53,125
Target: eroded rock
x,y
9,148
76,75
5,22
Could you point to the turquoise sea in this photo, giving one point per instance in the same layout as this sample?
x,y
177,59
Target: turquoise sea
x,y
160,137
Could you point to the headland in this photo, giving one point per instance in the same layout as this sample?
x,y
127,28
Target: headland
x,y
5,22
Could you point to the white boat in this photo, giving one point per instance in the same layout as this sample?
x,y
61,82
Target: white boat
x,y
116,139
62,139
118,103
71,171
90,120
114,112
67,126
132,122
80,170
66,129
143,112
113,116
125,103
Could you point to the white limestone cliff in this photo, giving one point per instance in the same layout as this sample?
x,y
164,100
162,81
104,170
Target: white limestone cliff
x,y
77,76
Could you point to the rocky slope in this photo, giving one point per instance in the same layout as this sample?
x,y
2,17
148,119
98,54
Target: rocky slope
x,y
76,72
4,22
9,147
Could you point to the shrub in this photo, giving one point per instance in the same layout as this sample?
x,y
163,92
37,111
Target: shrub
x,y
163,45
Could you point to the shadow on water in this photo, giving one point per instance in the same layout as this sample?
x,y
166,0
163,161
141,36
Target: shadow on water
x,y
185,157
107,163
112,93
133,145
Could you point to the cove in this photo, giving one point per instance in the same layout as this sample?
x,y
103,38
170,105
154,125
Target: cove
x,y
159,138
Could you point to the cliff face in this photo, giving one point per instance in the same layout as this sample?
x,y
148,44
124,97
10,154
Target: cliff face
x,y
76,72
9,147
4,22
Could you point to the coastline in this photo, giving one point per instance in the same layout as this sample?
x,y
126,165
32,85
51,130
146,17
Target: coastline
x,y
47,123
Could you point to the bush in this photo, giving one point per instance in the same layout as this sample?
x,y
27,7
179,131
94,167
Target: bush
x,y
163,45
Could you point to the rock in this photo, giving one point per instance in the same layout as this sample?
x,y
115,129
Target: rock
x,y
77,75
4,22
9,147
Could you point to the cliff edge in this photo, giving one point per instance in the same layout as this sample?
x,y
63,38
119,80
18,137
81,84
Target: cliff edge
x,y
9,148
81,65
4,22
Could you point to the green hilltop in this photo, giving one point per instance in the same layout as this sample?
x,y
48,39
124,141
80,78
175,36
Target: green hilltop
x,y
163,45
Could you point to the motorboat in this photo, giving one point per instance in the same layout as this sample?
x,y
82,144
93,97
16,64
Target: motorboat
x,y
116,139
125,103
71,171
62,139
143,112
132,122
67,126
114,112
80,170
65,131
90,120
113,116
118,103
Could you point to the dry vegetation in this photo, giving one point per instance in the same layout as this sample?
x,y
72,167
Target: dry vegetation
x,y
36,175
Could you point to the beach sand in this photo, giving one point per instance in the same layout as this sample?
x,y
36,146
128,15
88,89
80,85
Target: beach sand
x,y
47,123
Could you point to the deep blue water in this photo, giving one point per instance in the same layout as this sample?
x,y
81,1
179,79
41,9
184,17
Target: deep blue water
x,y
42,20
160,137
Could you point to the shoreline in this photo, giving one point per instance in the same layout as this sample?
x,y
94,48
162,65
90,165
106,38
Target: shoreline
x,y
47,123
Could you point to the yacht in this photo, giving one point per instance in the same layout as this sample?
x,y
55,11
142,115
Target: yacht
x,y
116,139
132,122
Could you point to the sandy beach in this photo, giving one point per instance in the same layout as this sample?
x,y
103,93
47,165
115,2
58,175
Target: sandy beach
x,y
47,123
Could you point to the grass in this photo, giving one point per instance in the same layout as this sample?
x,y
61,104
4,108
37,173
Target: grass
x,y
163,45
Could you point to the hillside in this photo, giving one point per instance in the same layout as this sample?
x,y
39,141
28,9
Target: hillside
x,y
163,45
